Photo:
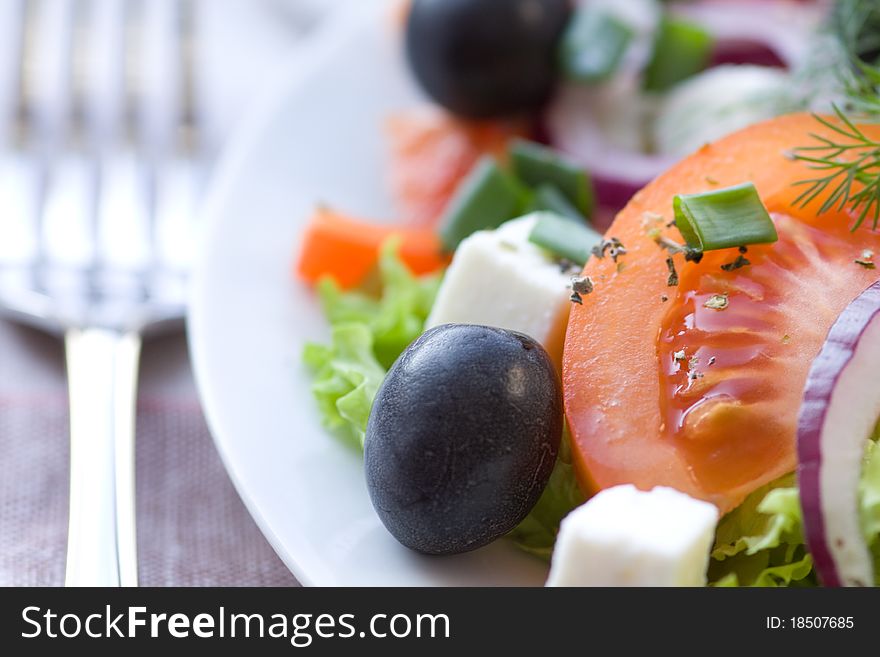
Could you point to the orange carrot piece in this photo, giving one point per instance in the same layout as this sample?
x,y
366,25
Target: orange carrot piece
x,y
347,249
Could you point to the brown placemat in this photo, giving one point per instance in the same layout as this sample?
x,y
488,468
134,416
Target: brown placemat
x,y
193,529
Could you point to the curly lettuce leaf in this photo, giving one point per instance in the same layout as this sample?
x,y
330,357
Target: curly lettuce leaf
x,y
347,377
368,333
396,317
759,572
761,543
536,534
768,517
869,490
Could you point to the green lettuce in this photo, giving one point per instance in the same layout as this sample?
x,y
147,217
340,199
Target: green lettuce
x,y
347,377
761,542
536,534
396,316
368,333
870,502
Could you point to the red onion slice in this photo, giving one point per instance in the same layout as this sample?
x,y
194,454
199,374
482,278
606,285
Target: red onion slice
x,y
840,409
573,125
781,26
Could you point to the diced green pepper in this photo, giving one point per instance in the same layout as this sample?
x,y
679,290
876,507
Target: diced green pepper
x,y
548,198
535,165
564,237
593,45
681,49
485,199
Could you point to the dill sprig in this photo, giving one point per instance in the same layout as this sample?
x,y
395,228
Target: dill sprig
x,y
861,84
857,24
851,165
849,160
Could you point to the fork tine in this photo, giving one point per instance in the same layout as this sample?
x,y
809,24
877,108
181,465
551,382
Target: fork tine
x,y
18,193
48,71
23,94
133,13
172,124
11,43
70,195
181,181
27,174
124,196
106,168
43,104
107,68
188,137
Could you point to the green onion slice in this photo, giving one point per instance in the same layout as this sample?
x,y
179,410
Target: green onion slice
x,y
484,200
593,45
724,218
535,165
564,238
548,198
681,49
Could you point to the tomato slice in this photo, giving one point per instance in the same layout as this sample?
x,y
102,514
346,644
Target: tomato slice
x,y
661,389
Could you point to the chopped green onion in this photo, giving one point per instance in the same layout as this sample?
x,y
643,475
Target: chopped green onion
x,y
681,49
548,198
564,238
593,45
724,218
484,200
535,165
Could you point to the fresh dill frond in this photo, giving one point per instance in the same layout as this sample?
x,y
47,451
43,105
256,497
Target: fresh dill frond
x,y
856,25
850,162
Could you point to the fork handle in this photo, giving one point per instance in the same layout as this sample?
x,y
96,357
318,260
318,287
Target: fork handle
x,y
102,367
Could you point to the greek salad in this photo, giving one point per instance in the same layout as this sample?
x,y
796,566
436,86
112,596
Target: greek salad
x,y
628,316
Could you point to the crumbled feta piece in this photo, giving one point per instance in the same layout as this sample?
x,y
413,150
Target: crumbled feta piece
x,y
499,278
627,537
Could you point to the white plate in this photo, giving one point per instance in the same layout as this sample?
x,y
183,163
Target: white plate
x,y
320,138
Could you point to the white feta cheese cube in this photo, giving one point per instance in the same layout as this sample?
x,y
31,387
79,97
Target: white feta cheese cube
x,y
627,537
499,278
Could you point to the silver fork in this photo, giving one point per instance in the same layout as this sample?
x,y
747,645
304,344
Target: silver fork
x,y
107,168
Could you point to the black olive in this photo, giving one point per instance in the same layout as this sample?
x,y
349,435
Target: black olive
x,y
486,58
462,437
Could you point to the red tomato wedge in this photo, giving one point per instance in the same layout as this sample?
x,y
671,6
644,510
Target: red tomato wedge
x,y
431,151
662,390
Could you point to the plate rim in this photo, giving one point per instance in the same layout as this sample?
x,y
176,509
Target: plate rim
x,y
295,70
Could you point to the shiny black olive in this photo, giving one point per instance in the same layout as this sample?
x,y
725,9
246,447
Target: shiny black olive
x,y
486,58
462,437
